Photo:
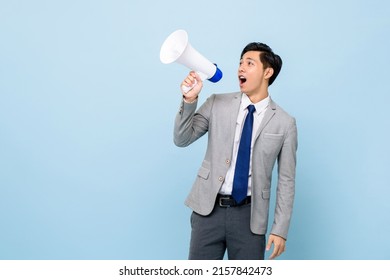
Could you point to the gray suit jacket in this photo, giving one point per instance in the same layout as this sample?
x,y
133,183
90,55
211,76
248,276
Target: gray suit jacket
x,y
276,140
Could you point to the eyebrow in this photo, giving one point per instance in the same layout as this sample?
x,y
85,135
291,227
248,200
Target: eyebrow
x,y
248,58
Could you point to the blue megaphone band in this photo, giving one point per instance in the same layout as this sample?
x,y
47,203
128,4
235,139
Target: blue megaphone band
x,y
217,76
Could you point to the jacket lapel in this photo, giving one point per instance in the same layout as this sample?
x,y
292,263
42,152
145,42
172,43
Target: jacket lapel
x,y
233,108
267,117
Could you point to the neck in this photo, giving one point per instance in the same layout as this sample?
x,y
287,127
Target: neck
x,y
257,96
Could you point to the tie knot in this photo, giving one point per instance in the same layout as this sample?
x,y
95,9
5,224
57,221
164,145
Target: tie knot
x,y
251,109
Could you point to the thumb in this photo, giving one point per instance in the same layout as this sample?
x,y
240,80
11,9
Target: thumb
x,y
269,244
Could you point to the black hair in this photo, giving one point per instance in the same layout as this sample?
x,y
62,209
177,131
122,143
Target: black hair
x,y
267,57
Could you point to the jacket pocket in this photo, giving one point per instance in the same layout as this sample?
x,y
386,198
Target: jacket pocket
x,y
273,135
204,170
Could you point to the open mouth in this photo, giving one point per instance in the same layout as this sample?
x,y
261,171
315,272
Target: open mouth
x,y
242,79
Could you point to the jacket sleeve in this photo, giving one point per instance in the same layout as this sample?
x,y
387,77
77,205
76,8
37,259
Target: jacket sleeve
x,y
190,125
286,182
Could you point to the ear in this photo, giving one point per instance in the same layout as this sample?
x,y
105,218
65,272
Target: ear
x,y
268,73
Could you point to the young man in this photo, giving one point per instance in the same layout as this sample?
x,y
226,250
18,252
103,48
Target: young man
x,y
247,133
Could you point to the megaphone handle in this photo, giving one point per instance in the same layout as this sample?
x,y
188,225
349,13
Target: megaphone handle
x,y
202,77
186,89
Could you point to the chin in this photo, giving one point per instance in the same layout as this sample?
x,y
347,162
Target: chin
x,y
246,90
243,89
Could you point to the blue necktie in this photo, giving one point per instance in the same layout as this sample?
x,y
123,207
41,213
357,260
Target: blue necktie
x,y
241,173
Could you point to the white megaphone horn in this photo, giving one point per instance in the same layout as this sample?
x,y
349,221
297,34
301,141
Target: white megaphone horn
x,y
176,48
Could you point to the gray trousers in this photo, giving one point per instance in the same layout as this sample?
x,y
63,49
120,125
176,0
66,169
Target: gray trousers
x,y
225,229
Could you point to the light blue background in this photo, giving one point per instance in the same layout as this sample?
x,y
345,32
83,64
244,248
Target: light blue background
x,y
88,168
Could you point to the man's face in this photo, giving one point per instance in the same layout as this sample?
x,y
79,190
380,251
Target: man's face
x,y
251,73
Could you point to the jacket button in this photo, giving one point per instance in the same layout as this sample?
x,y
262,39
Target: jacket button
x,y
227,161
220,178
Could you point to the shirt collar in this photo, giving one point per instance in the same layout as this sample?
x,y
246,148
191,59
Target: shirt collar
x,y
260,106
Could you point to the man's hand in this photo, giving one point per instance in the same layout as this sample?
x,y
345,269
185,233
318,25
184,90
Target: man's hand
x,y
279,245
192,81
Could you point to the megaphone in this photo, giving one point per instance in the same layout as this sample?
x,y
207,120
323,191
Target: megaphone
x,y
176,48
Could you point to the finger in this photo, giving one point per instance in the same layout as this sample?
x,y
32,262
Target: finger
x,y
274,253
278,250
190,80
269,243
186,83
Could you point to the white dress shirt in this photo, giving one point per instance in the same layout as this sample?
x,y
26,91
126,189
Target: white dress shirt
x,y
261,107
